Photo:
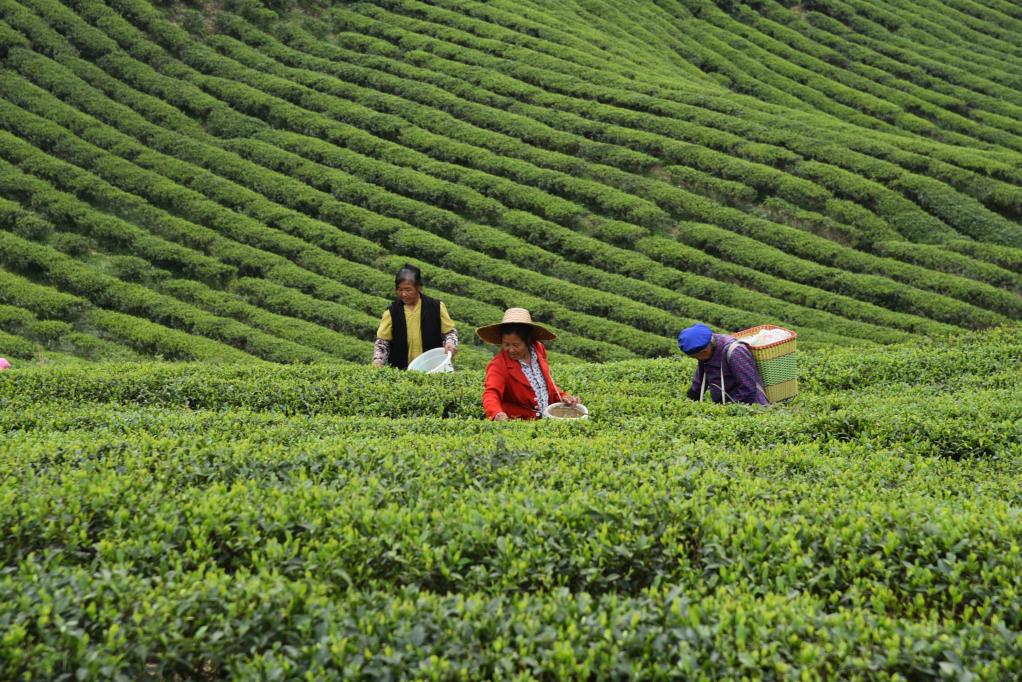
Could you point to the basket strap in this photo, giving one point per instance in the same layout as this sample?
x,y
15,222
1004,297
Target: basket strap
x,y
723,393
730,350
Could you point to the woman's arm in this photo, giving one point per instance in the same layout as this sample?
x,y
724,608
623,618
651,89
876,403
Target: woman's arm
x,y
451,341
381,352
697,383
493,391
384,335
448,330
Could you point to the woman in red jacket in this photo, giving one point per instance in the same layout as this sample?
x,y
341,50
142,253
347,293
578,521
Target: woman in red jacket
x,y
518,383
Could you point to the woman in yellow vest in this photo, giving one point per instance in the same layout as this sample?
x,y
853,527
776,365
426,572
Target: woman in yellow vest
x,y
413,324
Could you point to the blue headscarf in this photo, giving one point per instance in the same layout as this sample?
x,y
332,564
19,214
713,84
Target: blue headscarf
x,y
694,338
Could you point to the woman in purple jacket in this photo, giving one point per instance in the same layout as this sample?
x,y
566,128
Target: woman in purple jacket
x,y
726,367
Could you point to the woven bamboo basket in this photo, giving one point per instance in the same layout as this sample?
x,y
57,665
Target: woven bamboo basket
x,y
777,363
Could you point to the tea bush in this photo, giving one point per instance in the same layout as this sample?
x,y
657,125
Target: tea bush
x,y
339,522
463,148
227,194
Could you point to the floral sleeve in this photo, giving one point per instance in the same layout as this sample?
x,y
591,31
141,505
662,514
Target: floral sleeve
x,y
451,337
381,351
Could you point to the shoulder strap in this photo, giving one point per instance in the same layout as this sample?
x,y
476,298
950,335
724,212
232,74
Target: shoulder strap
x,y
730,350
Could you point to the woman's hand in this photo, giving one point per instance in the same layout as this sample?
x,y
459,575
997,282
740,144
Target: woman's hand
x,y
451,348
377,363
500,417
570,399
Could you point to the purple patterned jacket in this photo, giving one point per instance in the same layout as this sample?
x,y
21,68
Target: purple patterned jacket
x,y
741,380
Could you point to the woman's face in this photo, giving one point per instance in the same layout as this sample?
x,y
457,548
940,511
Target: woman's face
x,y
408,293
514,346
705,354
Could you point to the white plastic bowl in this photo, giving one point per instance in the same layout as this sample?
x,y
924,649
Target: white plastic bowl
x,y
433,361
562,411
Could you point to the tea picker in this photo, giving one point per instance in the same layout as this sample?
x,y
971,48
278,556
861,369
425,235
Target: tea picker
x,y
518,383
726,371
413,324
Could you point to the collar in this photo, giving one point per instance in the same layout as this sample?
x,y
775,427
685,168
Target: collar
x,y
514,368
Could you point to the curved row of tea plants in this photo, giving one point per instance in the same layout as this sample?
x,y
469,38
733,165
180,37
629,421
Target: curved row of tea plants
x,y
621,170
346,522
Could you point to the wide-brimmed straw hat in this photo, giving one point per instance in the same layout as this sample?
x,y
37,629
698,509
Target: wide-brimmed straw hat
x,y
491,332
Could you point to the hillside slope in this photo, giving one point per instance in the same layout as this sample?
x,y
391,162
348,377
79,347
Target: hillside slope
x,y
201,522
225,182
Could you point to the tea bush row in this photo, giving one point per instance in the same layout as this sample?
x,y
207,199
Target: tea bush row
x,y
266,43
927,280
66,210
792,141
105,35
902,270
136,333
24,334
106,291
310,256
251,199
185,519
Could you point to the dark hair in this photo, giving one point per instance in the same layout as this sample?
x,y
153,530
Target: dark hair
x,y
408,273
523,331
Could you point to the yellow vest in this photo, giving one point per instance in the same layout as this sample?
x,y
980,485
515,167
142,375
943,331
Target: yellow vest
x,y
413,324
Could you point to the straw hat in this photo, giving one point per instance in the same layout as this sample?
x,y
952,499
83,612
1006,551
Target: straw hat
x,y
491,332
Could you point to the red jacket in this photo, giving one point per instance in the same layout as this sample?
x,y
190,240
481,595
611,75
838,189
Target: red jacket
x,y
507,390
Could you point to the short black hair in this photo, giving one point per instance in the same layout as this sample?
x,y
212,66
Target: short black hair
x,y
523,331
408,273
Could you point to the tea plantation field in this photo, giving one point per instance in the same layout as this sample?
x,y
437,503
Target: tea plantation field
x,y
241,179
202,208
192,521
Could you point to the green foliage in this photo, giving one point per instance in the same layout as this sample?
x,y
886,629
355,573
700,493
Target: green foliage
x,y
178,519
42,300
72,244
14,346
519,161
232,186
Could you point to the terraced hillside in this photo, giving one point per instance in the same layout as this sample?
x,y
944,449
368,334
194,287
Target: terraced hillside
x,y
225,182
191,521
